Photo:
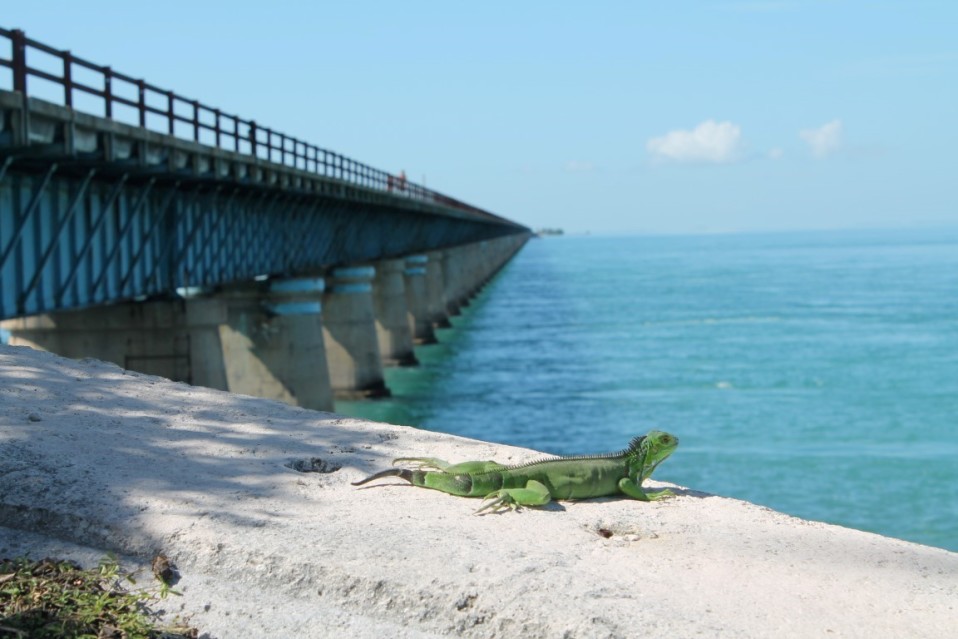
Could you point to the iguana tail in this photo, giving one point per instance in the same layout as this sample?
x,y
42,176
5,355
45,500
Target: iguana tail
x,y
402,473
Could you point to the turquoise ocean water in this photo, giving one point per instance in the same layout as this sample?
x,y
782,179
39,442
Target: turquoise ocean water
x,y
815,373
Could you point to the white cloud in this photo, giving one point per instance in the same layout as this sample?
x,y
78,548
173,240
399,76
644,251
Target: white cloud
x,y
824,140
775,153
711,141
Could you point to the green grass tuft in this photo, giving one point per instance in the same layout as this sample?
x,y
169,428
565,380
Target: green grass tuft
x,y
56,598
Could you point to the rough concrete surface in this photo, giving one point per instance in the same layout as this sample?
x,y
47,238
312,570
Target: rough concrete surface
x,y
96,459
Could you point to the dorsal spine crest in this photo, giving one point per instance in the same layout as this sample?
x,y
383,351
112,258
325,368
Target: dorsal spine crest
x,y
633,447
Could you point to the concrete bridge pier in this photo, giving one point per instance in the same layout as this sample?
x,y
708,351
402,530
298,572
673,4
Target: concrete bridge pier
x,y
229,342
391,305
269,340
461,265
264,340
477,260
493,256
417,299
140,337
349,331
451,276
294,350
436,290
304,340
463,260
499,252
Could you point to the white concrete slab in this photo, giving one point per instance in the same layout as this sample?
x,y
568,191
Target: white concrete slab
x,y
93,458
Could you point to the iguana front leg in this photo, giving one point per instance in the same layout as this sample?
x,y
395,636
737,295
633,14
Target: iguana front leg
x,y
628,486
534,494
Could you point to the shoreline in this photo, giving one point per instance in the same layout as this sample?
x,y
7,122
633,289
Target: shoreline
x,y
96,459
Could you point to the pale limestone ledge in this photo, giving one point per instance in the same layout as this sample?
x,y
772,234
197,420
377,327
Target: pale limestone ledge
x,y
100,459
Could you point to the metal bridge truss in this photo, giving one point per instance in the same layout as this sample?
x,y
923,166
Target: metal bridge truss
x,y
95,212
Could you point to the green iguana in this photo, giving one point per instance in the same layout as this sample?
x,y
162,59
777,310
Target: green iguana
x,y
537,482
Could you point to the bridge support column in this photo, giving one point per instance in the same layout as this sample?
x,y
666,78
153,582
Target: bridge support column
x,y
349,330
297,355
139,337
272,344
390,302
436,290
451,274
228,342
460,276
494,255
498,252
417,299
475,256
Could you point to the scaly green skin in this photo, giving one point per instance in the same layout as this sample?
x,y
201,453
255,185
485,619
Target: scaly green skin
x,y
538,482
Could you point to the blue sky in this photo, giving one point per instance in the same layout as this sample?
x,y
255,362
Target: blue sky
x,y
680,117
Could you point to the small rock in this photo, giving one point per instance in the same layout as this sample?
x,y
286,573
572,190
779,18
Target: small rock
x,y
163,569
34,417
466,601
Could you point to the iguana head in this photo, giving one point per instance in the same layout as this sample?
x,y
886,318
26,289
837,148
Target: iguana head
x,y
649,451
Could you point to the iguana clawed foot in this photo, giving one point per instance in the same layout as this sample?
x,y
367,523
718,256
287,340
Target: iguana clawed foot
x,y
534,494
499,500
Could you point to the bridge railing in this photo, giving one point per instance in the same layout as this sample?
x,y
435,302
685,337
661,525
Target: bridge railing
x,y
163,110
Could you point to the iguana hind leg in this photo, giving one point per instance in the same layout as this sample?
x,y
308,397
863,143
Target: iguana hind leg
x,y
462,468
423,463
633,490
534,494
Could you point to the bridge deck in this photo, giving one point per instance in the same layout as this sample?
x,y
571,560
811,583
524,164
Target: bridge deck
x,y
96,211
